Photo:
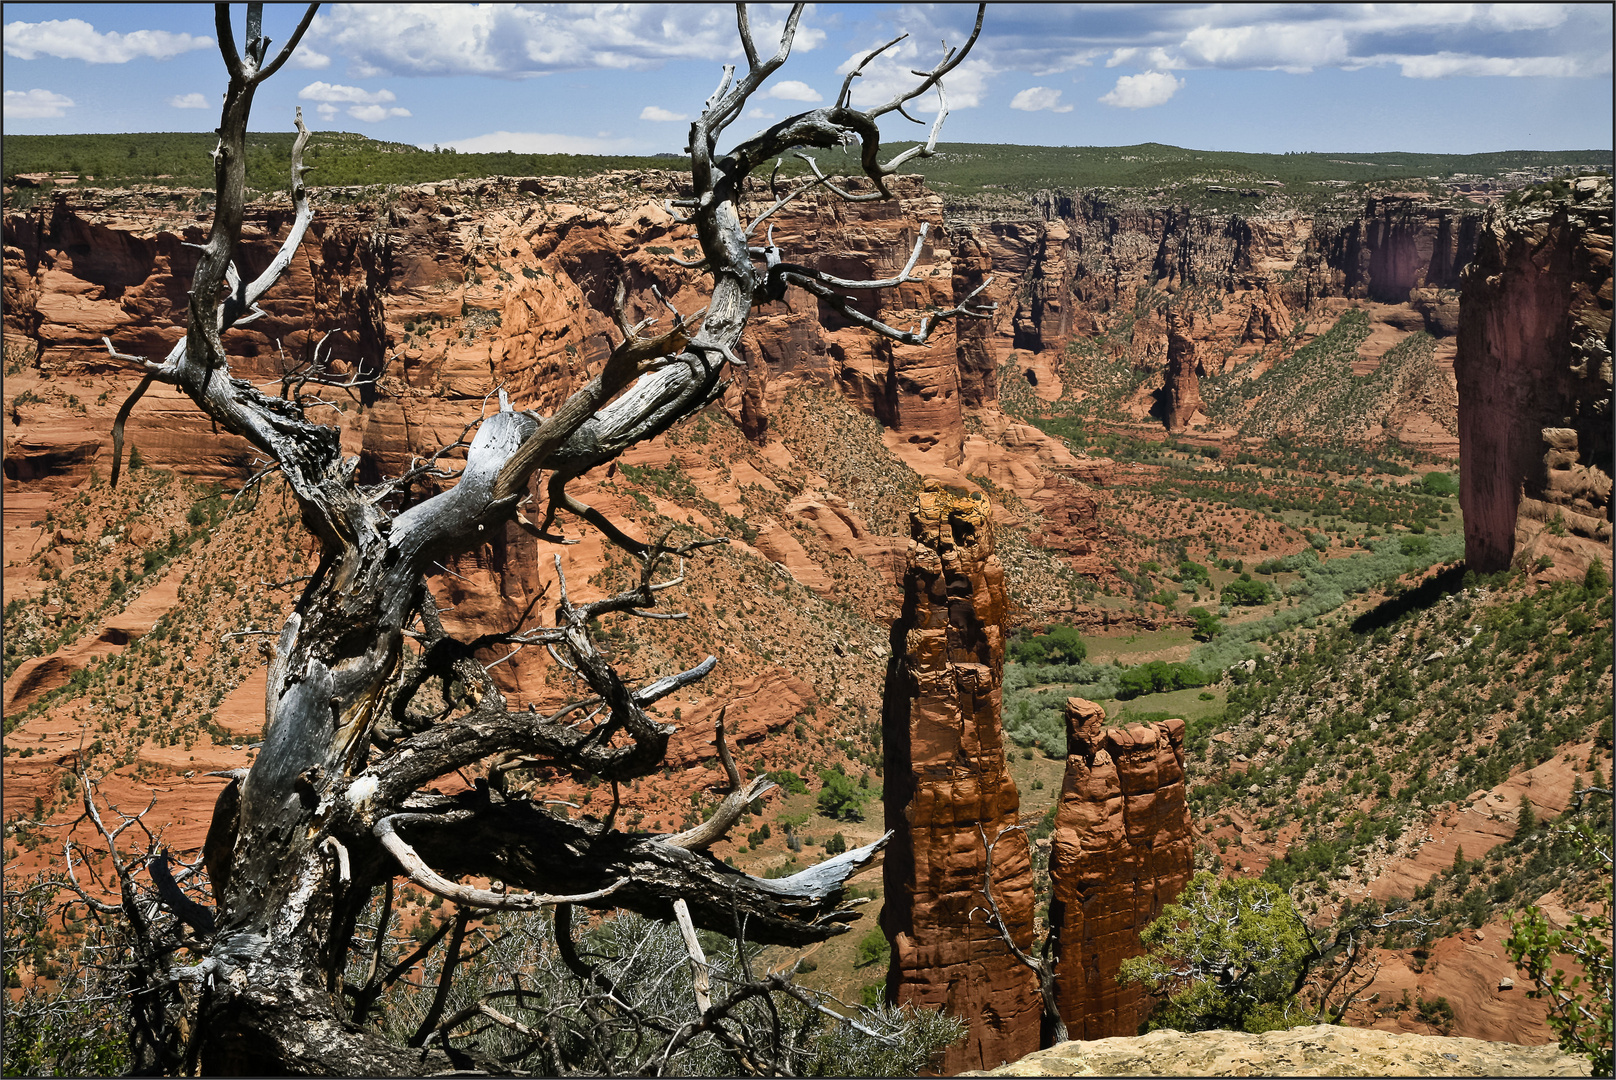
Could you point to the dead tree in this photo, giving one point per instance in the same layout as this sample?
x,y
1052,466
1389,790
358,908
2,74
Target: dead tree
x,y
334,808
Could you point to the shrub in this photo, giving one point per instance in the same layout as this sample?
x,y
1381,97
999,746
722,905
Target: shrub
x,y
1060,645
1246,593
839,799
873,948
1227,955
1207,625
789,782
1158,677
1439,483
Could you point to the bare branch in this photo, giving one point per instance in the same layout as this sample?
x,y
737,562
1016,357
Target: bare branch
x,y
423,875
698,959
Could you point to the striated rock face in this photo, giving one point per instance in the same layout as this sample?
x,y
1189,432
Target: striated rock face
x,y
1397,245
1121,852
948,787
1183,384
1534,373
443,290
1317,1050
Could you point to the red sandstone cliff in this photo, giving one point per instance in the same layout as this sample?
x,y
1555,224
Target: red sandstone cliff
x,y
1121,852
1534,373
948,790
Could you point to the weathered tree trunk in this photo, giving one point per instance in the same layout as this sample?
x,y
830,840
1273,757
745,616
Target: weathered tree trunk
x,y
333,807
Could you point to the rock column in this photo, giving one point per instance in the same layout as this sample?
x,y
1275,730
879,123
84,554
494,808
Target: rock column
x,y
1121,852
1534,379
1183,380
948,787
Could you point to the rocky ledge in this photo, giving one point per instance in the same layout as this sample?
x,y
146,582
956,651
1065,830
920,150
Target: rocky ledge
x,y
1321,1050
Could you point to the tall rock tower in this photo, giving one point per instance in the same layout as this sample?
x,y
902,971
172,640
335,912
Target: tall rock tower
x,y
948,787
1122,851
1534,373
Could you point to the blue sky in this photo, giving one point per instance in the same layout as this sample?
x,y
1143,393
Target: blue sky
x,y
600,78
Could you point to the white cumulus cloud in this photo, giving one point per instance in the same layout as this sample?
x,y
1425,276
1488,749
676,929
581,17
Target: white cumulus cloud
x,y
346,95
188,101
892,73
372,114
75,39
794,90
1039,99
1446,64
1424,40
35,104
1143,91
531,39
309,60
326,111
538,142
661,115
757,112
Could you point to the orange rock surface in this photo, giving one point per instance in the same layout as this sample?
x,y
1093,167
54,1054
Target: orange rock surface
x,y
949,792
1534,373
1121,852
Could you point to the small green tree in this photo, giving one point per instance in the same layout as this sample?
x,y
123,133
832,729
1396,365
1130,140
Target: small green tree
x,y
839,798
1060,645
1236,953
1246,593
1207,625
1580,1006
1230,954
1526,821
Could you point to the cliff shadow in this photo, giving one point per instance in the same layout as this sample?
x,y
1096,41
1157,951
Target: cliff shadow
x,y
1445,582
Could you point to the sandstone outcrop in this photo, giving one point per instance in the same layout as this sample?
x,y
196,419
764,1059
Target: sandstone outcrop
x,y
1318,1050
1121,852
949,793
1182,391
1534,372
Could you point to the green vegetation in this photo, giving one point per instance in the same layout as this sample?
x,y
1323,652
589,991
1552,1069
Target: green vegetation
x,y
1158,677
1230,954
338,158
1580,1005
1058,645
838,798
1244,592
1212,180
1207,625
1349,733
873,948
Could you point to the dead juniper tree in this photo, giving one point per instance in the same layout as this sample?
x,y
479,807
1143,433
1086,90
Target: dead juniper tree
x,y
335,808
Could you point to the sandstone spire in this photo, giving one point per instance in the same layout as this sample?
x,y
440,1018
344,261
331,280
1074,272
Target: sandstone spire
x,y
948,787
1121,852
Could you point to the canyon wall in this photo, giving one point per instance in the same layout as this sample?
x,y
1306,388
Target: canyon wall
x,y
949,794
440,291
444,290
1122,851
1534,375
1170,296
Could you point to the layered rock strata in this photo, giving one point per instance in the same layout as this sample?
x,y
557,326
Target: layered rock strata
x,y
1534,373
1120,853
949,793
